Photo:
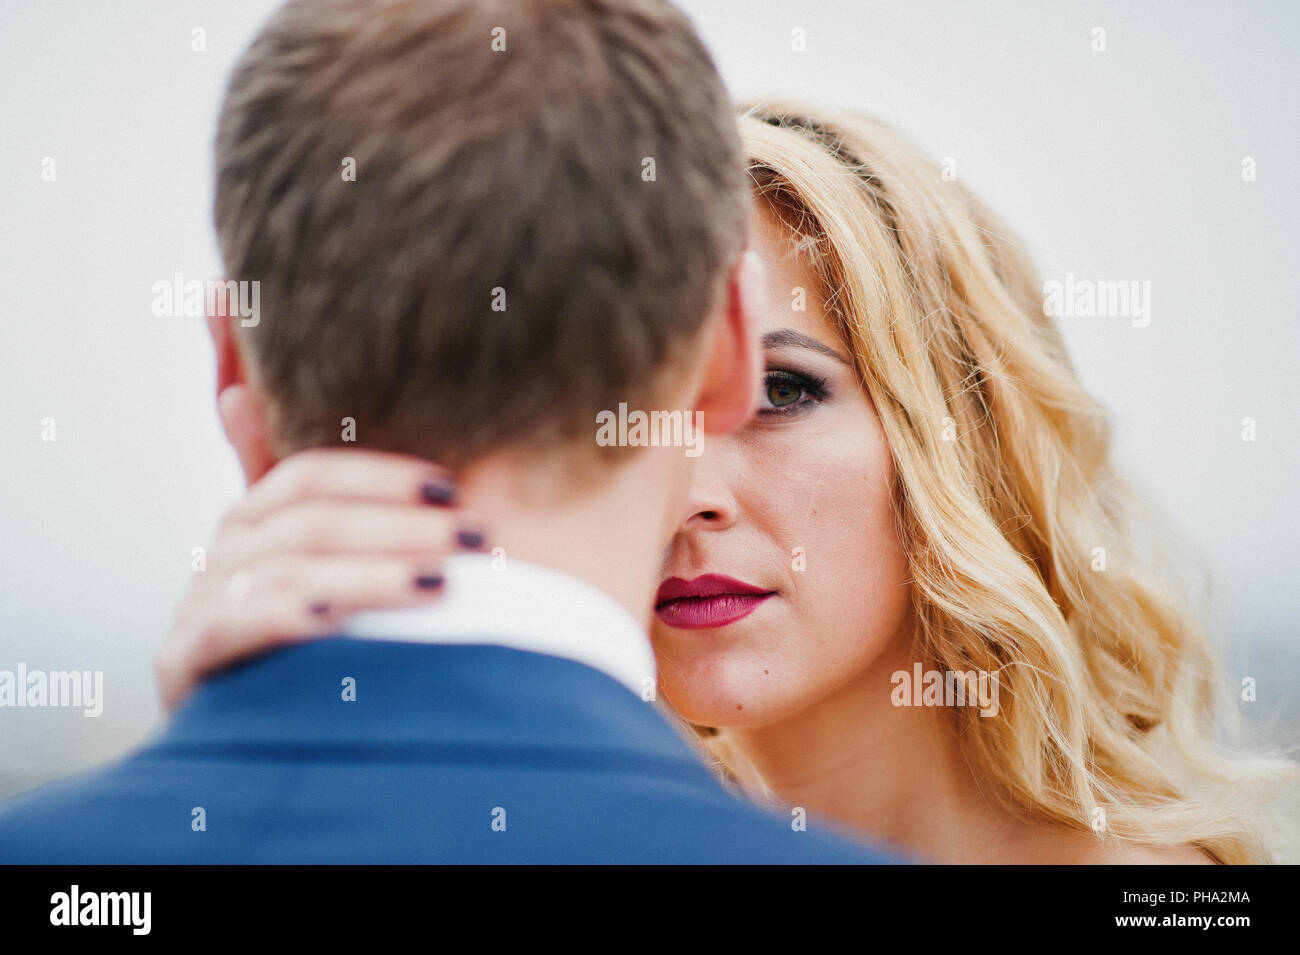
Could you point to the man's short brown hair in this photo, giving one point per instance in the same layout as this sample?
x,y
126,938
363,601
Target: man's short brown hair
x,y
575,161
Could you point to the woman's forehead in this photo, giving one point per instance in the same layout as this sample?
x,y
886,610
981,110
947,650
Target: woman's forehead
x,y
794,295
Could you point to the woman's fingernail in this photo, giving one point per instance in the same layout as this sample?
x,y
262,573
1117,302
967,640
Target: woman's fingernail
x,y
429,581
440,492
470,539
320,608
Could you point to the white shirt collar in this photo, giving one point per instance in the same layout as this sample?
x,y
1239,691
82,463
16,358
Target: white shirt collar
x,y
524,606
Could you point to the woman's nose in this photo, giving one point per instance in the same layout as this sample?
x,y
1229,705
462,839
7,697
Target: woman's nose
x,y
711,505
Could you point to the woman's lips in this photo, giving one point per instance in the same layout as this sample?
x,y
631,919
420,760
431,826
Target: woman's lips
x,y
708,601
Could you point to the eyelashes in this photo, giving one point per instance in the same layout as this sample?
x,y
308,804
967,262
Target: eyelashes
x,y
787,392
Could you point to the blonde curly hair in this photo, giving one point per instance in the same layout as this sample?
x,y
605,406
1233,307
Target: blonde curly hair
x,y
1022,538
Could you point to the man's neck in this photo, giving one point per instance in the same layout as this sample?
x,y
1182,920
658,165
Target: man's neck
x,y
609,531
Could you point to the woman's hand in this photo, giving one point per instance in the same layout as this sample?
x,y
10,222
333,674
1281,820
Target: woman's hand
x,y
324,534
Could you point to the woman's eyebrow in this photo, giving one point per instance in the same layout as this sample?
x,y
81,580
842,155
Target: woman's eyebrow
x,y
788,336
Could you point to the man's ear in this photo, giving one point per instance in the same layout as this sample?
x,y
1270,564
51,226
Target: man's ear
x,y
729,391
242,416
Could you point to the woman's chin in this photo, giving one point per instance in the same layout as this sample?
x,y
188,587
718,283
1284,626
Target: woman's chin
x,y
727,684
724,705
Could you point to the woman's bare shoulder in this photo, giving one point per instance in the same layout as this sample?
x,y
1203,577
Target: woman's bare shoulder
x,y
1091,851
1046,844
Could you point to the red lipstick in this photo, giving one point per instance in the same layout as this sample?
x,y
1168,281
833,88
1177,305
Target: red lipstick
x,y
708,601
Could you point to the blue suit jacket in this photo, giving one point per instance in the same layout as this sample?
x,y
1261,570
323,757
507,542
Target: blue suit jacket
x,y
458,754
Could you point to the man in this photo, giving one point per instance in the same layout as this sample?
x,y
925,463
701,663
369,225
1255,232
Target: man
x,y
476,226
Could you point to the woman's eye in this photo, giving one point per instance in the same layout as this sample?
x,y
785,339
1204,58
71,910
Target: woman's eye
x,y
782,393
785,392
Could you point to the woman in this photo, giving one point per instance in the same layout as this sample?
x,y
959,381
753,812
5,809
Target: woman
x,y
908,595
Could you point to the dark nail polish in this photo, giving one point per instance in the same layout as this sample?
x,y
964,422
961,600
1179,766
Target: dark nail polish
x,y
470,540
320,608
429,581
439,492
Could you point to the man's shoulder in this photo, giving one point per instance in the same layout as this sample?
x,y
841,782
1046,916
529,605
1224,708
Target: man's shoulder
x,y
504,808
87,818
531,759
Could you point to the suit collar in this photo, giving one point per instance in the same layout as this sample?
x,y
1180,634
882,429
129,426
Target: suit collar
x,y
371,696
